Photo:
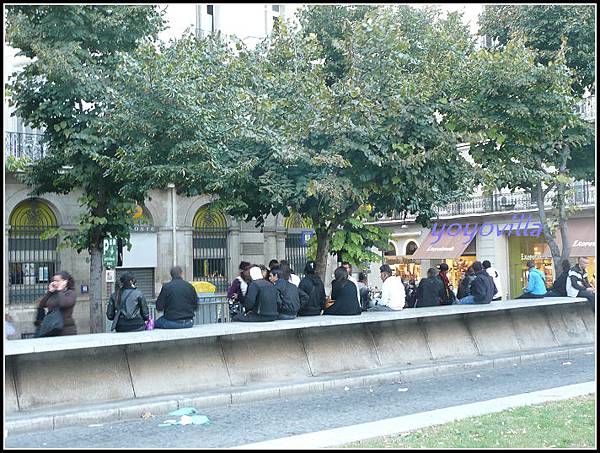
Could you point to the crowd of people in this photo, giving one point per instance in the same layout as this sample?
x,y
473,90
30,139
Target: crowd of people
x,y
276,292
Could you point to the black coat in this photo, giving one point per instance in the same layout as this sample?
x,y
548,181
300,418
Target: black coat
x,y
312,287
261,298
430,292
346,299
559,287
289,302
483,288
132,307
464,287
178,299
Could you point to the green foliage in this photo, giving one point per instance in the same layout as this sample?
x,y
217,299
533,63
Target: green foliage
x,y
354,241
73,52
544,28
17,164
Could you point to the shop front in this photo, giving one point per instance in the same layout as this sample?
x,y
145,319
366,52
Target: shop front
x,y
524,248
456,250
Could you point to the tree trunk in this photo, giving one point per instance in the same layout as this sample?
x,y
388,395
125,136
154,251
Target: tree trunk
x,y
550,238
323,240
96,318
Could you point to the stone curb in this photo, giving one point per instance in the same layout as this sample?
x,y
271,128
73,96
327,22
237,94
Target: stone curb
x,y
132,409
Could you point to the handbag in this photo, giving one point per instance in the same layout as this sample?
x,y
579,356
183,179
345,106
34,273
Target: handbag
x,y
52,324
150,323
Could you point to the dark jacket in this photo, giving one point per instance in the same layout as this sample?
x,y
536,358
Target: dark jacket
x,y
132,313
346,299
559,287
311,305
66,301
261,298
178,299
483,288
289,300
448,295
430,292
464,287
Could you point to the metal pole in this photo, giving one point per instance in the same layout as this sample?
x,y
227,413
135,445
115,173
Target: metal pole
x,y
173,222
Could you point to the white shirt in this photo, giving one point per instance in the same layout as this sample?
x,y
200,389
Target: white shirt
x,y
295,279
392,293
494,274
353,280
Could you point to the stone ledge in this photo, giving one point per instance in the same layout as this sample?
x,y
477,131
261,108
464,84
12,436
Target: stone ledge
x,y
85,341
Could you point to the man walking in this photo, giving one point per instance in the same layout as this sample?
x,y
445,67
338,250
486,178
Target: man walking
x,y
178,300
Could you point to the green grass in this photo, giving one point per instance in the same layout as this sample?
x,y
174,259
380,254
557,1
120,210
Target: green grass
x,y
561,424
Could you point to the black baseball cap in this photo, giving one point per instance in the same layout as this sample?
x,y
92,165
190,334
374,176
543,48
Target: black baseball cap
x,y
443,267
385,268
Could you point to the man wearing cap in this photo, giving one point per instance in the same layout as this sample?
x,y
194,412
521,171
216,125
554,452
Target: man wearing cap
x,y
393,296
261,299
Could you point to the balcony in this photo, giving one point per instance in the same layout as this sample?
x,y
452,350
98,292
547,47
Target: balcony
x,y
584,195
18,145
587,108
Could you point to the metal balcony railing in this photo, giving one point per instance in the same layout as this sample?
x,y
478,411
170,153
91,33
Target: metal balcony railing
x,y
583,195
587,108
23,145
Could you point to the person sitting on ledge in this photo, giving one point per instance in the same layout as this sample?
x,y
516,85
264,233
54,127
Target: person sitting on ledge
x,y
289,294
178,300
578,284
430,292
344,298
482,287
261,299
559,287
536,288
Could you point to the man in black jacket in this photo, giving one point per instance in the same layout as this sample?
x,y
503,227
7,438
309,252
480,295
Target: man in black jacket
x,y
430,292
578,284
289,294
261,300
483,287
178,300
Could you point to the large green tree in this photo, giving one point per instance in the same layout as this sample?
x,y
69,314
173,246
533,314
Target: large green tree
x,y
544,27
73,52
365,132
519,116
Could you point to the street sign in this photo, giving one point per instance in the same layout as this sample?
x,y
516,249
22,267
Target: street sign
x,y
305,237
109,254
110,275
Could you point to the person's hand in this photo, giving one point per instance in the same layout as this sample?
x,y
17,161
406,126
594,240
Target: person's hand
x,y
590,289
52,287
61,285
234,297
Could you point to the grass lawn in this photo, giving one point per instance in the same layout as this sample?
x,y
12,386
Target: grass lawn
x,y
560,424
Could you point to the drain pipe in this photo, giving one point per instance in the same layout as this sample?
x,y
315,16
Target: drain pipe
x,y
174,220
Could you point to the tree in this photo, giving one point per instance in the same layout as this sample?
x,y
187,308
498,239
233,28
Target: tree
x,y
371,136
520,119
73,52
274,131
544,27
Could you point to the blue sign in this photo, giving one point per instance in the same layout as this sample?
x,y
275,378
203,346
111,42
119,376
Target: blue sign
x,y
305,237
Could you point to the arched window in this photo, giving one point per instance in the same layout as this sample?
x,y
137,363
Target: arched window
x,y
299,231
411,248
210,253
391,251
32,260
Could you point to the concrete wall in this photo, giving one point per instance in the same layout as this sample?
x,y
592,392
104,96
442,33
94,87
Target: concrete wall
x,y
126,371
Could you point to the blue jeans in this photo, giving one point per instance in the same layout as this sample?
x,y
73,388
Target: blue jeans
x,y
164,323
467,300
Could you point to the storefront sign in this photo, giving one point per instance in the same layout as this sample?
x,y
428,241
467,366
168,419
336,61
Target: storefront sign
x,y
143,229
534,257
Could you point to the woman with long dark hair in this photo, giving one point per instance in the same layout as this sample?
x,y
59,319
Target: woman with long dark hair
x,y
344,295
60,295
127,307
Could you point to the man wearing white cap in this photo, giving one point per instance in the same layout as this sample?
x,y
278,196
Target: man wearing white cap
x,y
261,299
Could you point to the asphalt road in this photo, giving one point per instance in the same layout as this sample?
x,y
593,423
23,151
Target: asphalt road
x,y
239,424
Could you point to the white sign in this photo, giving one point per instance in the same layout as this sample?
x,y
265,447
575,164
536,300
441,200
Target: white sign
x,y
144,251
110,276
